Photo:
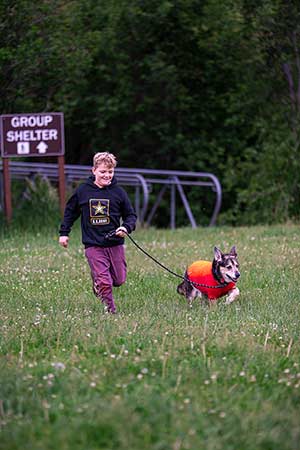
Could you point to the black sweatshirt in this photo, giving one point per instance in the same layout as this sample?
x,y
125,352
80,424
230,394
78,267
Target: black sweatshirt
x,y
101,210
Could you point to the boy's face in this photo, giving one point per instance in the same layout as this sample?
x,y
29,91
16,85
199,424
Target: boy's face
x,y
103,174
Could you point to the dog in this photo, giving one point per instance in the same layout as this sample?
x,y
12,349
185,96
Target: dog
x,y
212,280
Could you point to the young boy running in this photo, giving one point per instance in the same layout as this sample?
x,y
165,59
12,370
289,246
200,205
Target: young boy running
x,y
101,204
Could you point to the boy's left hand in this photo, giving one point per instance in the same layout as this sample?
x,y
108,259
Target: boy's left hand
x,y
121,232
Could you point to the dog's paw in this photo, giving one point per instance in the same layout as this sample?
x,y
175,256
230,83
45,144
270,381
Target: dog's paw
x,y
232,296
229,301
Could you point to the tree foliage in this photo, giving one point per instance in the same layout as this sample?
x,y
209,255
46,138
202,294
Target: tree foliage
x,y
178,84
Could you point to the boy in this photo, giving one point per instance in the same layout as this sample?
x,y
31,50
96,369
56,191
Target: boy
x,y
101,204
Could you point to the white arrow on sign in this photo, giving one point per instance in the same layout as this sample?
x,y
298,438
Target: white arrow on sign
x,y
42,147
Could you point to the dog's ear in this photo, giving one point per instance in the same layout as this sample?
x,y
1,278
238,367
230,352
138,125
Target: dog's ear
x,y
218,254
233,251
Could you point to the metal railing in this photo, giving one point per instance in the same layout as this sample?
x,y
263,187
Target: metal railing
x,y
142,180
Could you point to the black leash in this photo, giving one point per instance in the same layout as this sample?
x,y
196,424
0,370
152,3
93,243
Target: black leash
x,y
218,286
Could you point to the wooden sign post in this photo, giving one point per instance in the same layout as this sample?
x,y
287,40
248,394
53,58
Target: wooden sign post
x,y
38,135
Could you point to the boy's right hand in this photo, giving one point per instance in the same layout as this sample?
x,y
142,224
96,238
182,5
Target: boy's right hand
x,y
63,241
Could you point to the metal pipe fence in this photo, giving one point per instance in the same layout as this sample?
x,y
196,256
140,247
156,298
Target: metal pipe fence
x,y
142,181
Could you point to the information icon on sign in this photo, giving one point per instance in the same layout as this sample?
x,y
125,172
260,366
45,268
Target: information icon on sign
x,y
23,148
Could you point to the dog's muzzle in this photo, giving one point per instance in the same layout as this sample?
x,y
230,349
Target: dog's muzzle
x,y
235,278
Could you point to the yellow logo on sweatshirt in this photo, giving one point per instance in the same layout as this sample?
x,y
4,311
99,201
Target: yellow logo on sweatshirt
x,y
99,211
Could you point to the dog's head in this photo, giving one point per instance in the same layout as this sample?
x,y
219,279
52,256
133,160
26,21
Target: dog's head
x,y
226,265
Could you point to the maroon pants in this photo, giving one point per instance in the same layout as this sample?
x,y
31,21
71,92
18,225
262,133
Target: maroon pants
x,y
108,269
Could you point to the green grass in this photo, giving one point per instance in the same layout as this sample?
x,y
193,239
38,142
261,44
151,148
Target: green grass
x,y
157,375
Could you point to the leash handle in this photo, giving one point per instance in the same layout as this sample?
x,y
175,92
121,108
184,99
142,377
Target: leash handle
x,y
218,286
110,235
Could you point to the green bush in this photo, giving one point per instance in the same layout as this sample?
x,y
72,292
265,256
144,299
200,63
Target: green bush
x,y
267,182
37,206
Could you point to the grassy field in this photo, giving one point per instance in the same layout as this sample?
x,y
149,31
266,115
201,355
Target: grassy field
x,y
157,375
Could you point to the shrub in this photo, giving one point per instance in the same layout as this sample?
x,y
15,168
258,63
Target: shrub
x,y
37,206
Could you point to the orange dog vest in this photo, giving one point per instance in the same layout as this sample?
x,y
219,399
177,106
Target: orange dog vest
x,y
201,272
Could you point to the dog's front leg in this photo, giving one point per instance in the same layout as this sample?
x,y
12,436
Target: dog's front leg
x,y
233,294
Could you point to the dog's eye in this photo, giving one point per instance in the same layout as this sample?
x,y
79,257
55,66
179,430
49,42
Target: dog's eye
x,y
229,267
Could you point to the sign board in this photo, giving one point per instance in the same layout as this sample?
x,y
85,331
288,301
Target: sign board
x,y
35,134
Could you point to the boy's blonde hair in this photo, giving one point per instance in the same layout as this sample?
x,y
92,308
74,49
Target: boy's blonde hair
x,y
104,158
